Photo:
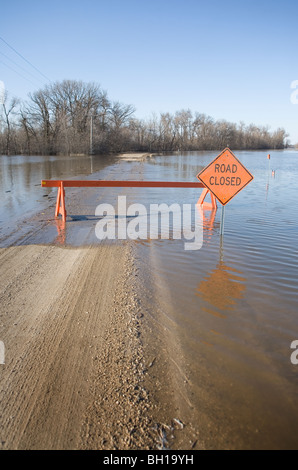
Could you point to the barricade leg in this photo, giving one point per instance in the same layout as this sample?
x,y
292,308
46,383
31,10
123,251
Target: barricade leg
x,y
60,204
207,205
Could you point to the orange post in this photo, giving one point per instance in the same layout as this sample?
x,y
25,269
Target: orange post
x,y
58,201
60,204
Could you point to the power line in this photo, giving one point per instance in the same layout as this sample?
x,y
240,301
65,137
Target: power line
x,y
25,78
22,68
28,62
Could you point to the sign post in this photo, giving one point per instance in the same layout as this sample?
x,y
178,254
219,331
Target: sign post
x,y
225,177
222,220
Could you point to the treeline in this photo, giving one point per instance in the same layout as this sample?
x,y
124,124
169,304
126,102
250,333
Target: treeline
x,y
72,117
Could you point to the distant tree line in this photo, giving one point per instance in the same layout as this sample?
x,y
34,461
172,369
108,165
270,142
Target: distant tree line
x,y
73,117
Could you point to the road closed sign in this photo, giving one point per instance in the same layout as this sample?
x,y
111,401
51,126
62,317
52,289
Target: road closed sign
x,y
225,176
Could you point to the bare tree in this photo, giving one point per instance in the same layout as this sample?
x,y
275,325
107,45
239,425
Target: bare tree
x,y
64,116
9,110
119,121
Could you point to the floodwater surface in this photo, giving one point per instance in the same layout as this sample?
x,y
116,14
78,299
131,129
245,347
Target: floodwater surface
x,y
231,305
234,302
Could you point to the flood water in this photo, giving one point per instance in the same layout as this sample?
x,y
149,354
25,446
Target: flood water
x,y
234,302
232,305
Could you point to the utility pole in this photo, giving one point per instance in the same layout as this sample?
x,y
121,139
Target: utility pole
x,y
91,135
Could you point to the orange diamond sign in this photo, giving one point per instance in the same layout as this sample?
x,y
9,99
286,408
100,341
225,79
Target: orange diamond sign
x,y
225,176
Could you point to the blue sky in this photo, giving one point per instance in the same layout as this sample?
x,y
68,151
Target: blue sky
x,y
232,60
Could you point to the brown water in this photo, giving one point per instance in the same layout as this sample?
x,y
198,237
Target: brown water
x,y
231,306
20,178
20,187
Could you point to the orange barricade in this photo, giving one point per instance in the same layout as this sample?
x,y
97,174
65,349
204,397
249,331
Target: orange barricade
x,y
62,184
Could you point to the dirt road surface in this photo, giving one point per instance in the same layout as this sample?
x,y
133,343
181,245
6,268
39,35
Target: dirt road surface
x,y
76,374
73,372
